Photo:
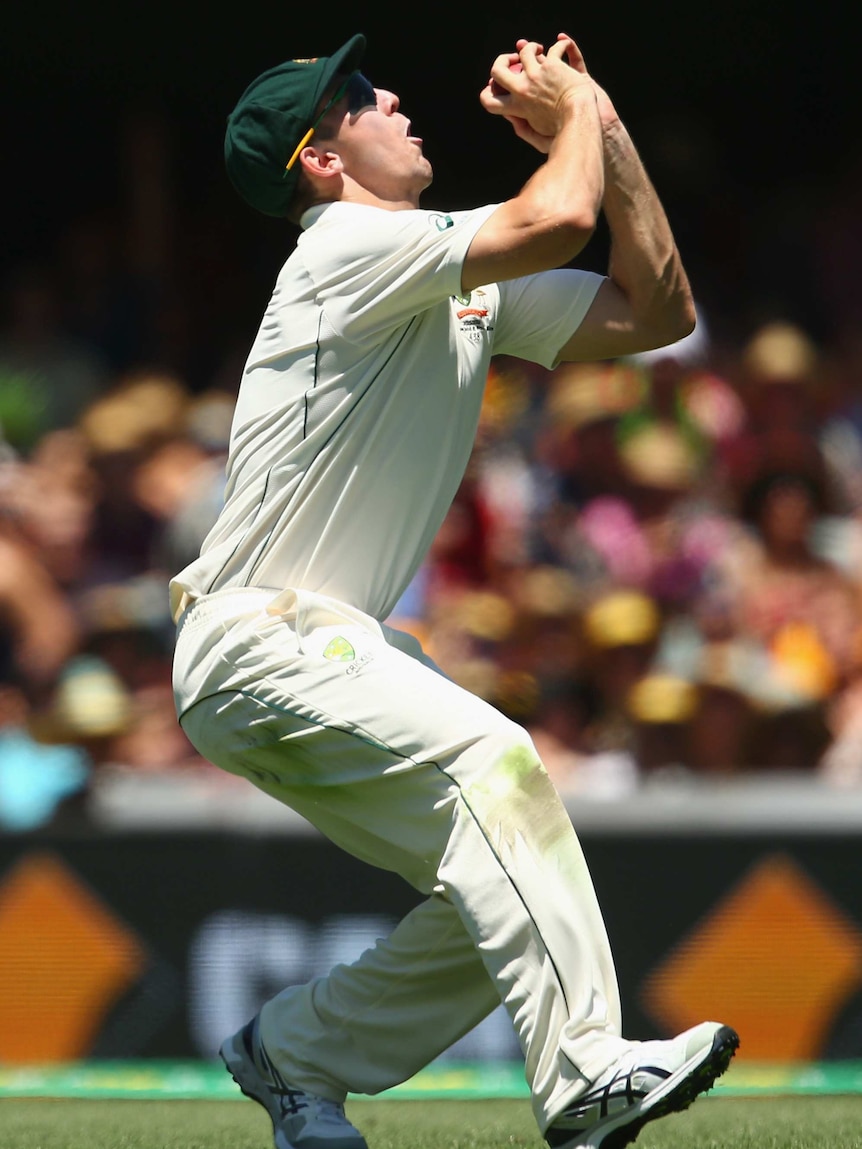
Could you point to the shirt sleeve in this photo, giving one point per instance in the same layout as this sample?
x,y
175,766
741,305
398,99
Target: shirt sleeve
x,y
539,313
374,270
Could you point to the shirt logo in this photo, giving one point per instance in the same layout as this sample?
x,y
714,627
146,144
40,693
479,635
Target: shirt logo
x,y
339,650
441,221
474,319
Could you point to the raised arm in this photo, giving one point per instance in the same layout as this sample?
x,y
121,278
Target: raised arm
x,y
646,300
553,217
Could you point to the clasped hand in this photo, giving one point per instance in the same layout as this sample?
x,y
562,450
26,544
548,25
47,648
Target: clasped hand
x,y
531,88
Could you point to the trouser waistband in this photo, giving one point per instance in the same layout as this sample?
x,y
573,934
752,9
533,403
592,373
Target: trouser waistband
x,y
223,605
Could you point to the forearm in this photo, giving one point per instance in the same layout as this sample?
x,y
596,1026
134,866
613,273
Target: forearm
x,y
644,260
570,185
555,214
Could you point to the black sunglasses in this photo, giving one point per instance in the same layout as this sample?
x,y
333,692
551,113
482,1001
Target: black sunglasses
x,y
360,93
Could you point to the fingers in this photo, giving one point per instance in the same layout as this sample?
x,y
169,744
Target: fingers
x,y
530,52
527,84
570,52
502,77
564,48
525,132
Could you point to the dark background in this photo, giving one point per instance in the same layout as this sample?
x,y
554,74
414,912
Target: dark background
x,y
746,115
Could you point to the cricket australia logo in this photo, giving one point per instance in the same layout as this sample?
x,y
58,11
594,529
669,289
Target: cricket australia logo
x,y
339,649
474,318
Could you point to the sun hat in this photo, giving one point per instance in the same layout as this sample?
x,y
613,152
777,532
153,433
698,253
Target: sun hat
x,y
270,120
622,617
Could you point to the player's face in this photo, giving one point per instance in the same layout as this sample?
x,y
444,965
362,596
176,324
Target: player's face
x,y
376,146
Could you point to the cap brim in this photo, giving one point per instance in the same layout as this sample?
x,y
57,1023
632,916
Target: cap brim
x,y
347,59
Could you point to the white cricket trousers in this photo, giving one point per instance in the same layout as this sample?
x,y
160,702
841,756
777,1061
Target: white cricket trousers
x,y
352,726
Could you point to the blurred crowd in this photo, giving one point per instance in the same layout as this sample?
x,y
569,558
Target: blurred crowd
x,y
654,564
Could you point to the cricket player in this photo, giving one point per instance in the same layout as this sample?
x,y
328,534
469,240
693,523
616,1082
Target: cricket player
x,y
354,423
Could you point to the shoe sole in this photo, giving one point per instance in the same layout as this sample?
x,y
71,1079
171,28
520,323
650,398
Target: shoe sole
x,y
696,1077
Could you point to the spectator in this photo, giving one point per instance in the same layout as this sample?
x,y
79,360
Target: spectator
x,y
40,628
785,592
780,371
622,630
682,388
578,464
565,726
53,497
39,782
662,708
135,417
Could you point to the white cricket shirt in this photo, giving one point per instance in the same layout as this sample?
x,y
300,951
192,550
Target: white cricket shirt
x,y
359,403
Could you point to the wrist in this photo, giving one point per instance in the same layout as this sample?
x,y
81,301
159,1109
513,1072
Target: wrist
x,y
573,113
617,144
576,97
575,108
613,129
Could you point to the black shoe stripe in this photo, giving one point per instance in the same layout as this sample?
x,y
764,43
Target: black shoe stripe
x,y
611,1091
701,1080
291,1100
247,1040
698,1081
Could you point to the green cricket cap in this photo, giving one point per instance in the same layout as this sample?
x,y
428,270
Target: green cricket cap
x,y
270,119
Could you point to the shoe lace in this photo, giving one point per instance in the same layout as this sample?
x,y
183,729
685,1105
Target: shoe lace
x,y
292,1100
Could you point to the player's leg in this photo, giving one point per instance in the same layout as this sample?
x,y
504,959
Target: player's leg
x,y
362,1028
372,1024
416,991
421,777
404,769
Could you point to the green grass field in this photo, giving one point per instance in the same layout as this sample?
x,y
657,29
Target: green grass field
x,y
712,1123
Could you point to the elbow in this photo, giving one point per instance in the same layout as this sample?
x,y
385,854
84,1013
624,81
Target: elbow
x,y
674,315
683,319
666,325
688,314
584,219
575,232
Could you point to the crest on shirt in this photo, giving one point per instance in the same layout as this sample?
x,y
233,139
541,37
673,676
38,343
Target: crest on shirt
x,y
474,318
441,220
339,650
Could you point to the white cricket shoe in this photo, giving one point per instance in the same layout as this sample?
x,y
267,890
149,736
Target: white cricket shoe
x,y
650,1080
300,1120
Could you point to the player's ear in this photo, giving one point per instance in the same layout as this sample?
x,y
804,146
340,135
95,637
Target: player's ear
x,y
320,162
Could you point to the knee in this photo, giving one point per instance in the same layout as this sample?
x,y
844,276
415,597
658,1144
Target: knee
x,y
510,756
